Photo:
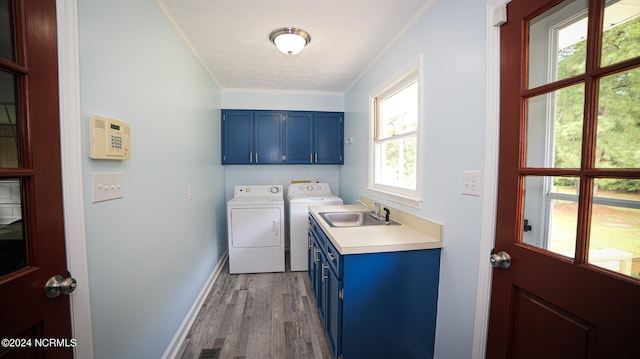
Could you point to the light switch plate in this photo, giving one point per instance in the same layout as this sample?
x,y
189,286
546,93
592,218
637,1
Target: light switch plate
x,y
471,183
106,186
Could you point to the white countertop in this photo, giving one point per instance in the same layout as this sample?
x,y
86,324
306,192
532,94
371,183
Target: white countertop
x,y
409,235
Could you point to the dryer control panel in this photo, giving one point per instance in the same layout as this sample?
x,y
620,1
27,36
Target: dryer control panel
x,y
258,191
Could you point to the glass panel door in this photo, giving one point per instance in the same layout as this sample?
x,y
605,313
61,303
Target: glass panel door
x,y
581,166
13,172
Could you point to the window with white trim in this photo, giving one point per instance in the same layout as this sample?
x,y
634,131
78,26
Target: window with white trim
x,y
394,152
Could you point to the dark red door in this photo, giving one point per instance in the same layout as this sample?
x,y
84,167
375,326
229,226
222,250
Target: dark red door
x,y
31,215
569,182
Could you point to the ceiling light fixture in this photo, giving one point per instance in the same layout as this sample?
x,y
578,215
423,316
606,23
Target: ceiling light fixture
x,y
290,40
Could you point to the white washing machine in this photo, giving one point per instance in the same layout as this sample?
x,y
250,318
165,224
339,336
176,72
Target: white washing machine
x,y
300,196
255,217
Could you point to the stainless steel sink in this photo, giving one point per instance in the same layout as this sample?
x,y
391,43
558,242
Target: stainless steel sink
x,y
353,219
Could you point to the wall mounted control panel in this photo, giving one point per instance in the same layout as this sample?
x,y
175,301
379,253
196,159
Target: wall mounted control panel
x,y
109,139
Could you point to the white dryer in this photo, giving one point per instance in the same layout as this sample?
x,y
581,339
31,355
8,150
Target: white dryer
x,y
300,196
255,217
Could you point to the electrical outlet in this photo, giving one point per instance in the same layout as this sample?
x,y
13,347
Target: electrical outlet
x,y
471,183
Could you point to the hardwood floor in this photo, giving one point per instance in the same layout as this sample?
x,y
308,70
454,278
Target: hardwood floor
x,y
265,315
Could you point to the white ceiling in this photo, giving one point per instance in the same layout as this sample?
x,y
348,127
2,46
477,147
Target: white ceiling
x,y
231,37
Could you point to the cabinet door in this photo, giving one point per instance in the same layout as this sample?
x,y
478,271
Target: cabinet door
x,y
237,137
311,256
333,312
298,139
313,259
328,138
269,137
323,272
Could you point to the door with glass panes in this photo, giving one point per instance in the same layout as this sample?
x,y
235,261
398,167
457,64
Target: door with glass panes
x,y
568,214
34,322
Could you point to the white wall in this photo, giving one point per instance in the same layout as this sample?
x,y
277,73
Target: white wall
x,y
451,40
150,253
291,100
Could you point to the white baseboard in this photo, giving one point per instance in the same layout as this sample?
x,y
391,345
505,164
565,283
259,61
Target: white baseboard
x,y
176,343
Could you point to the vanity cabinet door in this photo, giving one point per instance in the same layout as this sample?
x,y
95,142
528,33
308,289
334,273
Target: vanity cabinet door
x,y
333,312
317,273
311,255
323,275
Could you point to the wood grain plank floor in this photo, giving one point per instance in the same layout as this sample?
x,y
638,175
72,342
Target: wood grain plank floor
x,y
264,315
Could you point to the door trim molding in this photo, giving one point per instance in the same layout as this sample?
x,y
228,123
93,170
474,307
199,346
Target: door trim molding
x,y
71,156
496,15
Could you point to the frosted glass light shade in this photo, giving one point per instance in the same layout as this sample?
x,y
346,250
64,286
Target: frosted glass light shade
x,y
290,40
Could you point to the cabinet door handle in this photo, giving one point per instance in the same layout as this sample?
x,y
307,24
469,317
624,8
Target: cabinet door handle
x,y
250,157
256,157
331,256
324,266
316,157
275,227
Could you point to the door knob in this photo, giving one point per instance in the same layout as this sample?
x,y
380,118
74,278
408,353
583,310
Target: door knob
x,y
500,260
57,285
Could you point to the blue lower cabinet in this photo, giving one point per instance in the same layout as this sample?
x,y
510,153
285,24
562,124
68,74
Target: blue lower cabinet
x,y
377,305
311,255
333,310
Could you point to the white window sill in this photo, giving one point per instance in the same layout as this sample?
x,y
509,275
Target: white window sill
x,y
404,200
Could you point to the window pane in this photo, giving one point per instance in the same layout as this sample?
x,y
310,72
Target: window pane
x,y
554,128
6,31
621,32
618,141
615,226
557,43
9,139
551,214
13,250
399,112
396,166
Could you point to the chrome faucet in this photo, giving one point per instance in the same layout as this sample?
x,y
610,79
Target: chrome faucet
x,y
376,210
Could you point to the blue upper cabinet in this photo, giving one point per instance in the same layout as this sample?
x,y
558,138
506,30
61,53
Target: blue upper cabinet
x,y
237,137
328,138
298,137
277,137
269,137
